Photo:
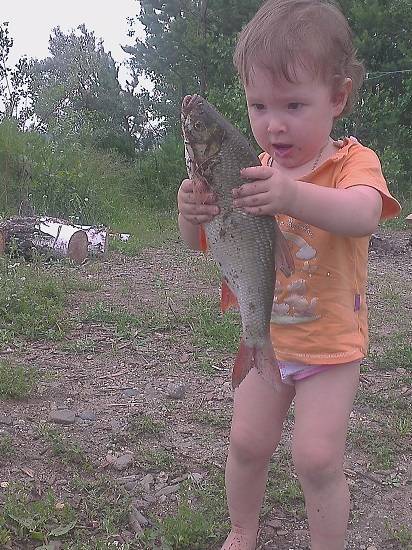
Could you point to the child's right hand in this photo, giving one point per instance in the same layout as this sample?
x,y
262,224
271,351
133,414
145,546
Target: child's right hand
x,y
190,210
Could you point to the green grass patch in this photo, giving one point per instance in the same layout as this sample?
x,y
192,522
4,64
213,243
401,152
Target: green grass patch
x,y
382,448
24,519
211,328
67,451
7,449
27,522
215,419
32,302
283,487
127,325
144,228
140,424
398,355
17,382
199,520
402,534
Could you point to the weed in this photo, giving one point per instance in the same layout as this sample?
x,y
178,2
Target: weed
x,y
6,446
401,534
398,356
16,382
126,324
32,303
381,449
142,424
68,452
284,488
211,329
216,419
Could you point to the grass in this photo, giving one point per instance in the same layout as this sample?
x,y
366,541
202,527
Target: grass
x,y
32,301
7,449
68,451
140,424
212,329
147,228
48,518
381,447
198,521
283,487
126,325
16,382
399,355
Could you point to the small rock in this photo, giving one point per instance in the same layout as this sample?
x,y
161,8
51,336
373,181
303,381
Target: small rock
x,y
275,523
168,490
373,547
281,533
176,391
130,392
88,415
6,420
62,416
146,481
123,461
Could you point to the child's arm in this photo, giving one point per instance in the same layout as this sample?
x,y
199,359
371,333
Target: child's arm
x,y
353,212
192,215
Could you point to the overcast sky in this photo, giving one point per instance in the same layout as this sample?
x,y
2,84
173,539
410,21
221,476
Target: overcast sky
x,y
31,23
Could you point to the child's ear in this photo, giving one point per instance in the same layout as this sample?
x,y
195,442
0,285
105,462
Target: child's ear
x,y
340,96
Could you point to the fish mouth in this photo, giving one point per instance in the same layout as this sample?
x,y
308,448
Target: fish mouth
x,y
189,103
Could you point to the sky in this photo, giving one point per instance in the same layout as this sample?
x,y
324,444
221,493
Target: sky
x,y
31,23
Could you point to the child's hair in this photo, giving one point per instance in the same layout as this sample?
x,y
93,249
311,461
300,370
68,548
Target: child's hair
x,y
286,35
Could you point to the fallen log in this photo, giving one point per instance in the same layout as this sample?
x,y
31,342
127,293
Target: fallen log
x,y
49,236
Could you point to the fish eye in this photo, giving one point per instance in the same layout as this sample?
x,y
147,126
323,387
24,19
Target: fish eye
x,y
199,125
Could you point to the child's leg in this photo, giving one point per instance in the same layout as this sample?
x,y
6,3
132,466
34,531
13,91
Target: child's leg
x,y
258,417
323,403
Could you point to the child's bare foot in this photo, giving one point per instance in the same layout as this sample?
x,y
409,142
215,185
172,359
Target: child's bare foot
x,y
239,539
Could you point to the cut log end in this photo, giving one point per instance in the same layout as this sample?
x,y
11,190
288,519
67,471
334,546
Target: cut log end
x,y
77,249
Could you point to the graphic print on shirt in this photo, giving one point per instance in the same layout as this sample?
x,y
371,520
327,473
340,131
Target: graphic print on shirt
x,y
291,304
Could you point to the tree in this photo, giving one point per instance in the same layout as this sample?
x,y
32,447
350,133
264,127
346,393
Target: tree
x,y
188,48
14,82
76,94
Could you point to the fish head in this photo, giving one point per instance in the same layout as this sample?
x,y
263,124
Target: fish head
x,y
202,130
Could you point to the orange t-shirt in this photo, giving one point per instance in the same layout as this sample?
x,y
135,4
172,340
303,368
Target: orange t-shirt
x,y
319,314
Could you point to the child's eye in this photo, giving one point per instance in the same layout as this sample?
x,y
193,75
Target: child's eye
x,y
294,106
258,106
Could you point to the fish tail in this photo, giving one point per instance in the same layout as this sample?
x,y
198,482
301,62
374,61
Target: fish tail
x,y
262,358
267,366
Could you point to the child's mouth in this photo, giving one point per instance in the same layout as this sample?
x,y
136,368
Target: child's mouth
x,y
282,149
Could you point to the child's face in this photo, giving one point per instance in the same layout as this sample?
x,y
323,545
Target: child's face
x,y
292,121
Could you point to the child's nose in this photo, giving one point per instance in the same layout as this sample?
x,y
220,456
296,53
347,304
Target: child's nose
x,y
276,125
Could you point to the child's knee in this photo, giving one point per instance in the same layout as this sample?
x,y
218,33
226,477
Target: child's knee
x,y
317,463
251,445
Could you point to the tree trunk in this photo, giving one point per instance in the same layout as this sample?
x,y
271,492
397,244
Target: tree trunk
x,y
50,236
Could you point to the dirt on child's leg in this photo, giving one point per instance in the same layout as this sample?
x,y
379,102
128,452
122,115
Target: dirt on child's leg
x,y
323,404
259,412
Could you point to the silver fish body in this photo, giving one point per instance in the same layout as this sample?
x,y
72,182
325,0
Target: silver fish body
x,y
244,246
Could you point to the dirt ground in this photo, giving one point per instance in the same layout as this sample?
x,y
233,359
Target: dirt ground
x,y
101,380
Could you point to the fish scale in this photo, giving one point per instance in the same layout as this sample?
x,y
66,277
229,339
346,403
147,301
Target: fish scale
x,y
244,246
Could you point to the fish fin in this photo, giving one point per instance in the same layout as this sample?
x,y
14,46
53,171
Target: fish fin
x,y
243,364
283,256
266,364
227,298
202,239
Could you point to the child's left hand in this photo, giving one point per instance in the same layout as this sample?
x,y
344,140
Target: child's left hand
x,y
267,193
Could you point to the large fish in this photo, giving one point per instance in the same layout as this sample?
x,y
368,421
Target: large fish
x,y
247,248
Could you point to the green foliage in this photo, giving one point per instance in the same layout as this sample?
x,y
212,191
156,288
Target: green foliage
x,y
16,381
212,329
31,303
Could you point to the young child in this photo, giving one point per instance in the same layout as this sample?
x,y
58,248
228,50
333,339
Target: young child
x,y
299,69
